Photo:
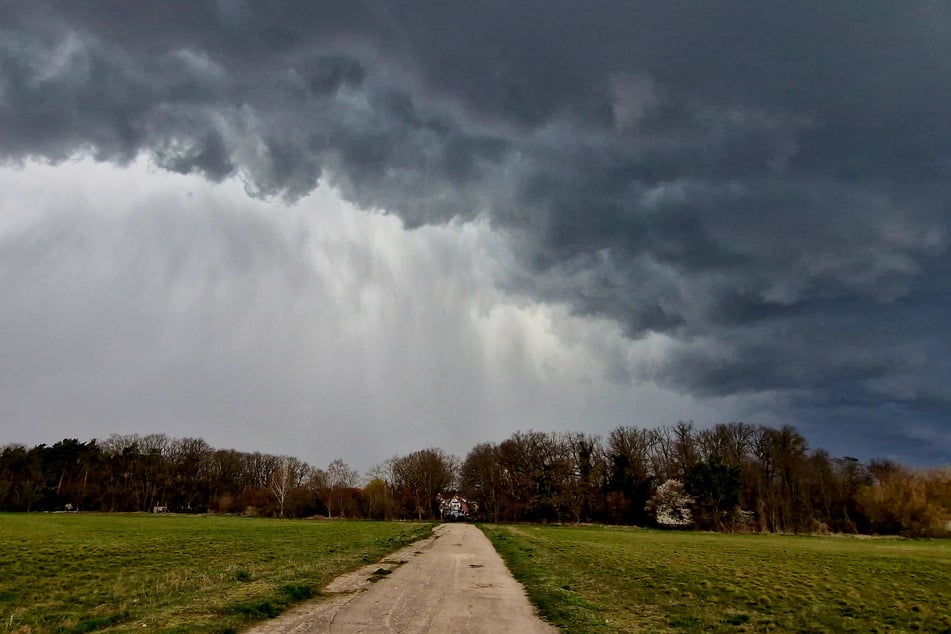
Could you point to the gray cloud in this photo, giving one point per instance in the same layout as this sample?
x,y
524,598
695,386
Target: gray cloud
x,y
322,331
762,183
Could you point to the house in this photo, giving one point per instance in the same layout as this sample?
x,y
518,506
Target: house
x,y
453,506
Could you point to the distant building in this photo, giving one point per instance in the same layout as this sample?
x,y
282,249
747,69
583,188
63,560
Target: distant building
x,y
453,506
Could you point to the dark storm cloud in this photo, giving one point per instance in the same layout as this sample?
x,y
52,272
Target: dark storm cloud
x,y
763,182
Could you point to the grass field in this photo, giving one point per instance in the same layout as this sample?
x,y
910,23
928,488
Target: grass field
x,y
598,579
83,573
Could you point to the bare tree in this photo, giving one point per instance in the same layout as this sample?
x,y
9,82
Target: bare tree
x,y
420,476
663,454
631,473
189,472
588,470
378,499
341,478
730,442
282,481
685,448
538,474
258,468
482,479
781,493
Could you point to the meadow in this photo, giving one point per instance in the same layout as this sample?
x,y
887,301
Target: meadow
x,y
113,573
607,579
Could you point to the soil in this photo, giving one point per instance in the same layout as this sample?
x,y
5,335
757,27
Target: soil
x,y
453,581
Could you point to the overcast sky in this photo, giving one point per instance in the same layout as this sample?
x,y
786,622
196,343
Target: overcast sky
x,y
362,228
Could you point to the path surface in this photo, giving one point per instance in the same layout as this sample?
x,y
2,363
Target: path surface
x,y
451,582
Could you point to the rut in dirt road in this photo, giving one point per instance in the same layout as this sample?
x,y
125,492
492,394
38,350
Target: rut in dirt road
x,y
452,582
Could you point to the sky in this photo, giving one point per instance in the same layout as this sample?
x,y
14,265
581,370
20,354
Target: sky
x,y
358,229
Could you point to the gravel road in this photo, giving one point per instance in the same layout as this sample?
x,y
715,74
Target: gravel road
x,y
451,582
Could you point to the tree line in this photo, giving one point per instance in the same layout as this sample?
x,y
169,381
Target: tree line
x,y
733,476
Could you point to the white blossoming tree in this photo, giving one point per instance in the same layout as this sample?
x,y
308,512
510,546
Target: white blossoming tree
x,y
670,505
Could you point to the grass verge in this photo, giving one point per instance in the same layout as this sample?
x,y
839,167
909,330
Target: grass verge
x,y
609,579
115,573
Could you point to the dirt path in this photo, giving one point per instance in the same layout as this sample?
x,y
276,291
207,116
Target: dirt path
x,y
451,582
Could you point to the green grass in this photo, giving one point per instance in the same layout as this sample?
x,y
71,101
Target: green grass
x,y
114,573
601,579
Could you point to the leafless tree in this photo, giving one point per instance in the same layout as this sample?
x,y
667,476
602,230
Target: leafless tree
x,y
482,479
282,481
340,479
420,476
